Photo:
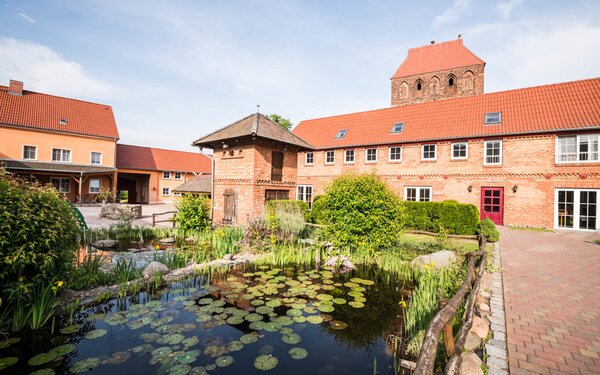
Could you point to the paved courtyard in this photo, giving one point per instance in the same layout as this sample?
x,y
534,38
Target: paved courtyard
x,y
552,301
92,215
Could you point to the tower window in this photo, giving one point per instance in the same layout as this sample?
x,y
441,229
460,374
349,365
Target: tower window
x,y
451,82
419,86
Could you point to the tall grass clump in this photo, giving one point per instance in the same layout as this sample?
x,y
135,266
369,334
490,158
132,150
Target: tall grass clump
x,y
286,218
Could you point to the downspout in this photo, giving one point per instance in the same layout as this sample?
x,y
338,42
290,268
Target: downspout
x,y
212,188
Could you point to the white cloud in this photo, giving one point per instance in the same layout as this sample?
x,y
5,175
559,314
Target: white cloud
x,y
42,69
506,7
26,17
452,13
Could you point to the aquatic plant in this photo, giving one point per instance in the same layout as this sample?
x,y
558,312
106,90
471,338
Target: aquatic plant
x,y
71,308
105,295
173,260
42,305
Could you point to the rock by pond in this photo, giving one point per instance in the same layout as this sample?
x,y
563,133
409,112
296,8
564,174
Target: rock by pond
x,y
440,259
105,244
155,268
115,211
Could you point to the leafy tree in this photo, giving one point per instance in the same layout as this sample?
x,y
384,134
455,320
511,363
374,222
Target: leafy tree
x,y
193,212
281,121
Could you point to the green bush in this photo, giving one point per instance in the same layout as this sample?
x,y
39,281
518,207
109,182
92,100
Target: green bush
x,y
316,212
454,217
286,218
39,235
193,213
362,209
488,229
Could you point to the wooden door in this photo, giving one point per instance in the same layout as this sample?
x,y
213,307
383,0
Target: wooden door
x,y
492,204
229,206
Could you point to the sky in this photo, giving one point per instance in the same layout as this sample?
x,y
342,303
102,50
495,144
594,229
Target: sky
x,y
175,71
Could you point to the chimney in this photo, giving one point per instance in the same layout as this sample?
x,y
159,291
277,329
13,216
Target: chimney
x,y
15,87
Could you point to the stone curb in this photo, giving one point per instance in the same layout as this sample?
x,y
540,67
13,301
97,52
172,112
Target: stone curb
x,y
497,355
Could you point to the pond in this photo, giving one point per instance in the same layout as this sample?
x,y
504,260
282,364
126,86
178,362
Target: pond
x,y
249,320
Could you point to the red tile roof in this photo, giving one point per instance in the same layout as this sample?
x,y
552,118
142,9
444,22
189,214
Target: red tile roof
x,y
158,159
43,111
557,107
435,57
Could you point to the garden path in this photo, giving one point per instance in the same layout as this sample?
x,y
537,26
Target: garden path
x,y
552,301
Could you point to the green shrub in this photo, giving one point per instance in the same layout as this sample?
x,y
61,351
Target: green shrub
x,y
316,211
193,212
454,217
488,229
362,209
286,218
39,235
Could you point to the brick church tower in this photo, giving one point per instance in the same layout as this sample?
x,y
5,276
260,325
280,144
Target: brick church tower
x,y
437,71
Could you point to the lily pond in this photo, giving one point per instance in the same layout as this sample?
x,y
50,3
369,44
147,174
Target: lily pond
x,y
247,320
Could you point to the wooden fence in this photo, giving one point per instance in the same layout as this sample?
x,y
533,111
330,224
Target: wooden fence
x,y
171,219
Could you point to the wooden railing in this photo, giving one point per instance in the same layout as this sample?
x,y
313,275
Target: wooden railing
x,y
171,219
443,319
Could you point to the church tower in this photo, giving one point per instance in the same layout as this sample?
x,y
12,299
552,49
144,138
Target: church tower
x,y
437,71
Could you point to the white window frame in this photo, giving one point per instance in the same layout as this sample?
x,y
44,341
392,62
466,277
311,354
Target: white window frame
x,y
487,115
60,179
168,192
62,153
399,125
390,154
330,162
301,194
166,173
306,162
367,155
92,157
485,151
180,176
36,152
452,157
576,209
346,153
419,190
99,185
434,151
577,146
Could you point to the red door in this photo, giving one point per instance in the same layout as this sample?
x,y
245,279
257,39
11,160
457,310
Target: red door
x,y
492,204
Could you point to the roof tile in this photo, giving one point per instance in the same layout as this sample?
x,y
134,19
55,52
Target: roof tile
x,y
157,159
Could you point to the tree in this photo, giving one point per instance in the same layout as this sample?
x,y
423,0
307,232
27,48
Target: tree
x,y
281,121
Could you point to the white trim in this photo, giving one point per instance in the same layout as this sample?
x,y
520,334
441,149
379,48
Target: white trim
x,y
101,157
62,149
353,156
23,151
485,118
90,185
367,161
418,193
485,156
576,208
166,178
180,176
390,154
423,151
577,144
452,157
330,162
309,202
306,158
162,190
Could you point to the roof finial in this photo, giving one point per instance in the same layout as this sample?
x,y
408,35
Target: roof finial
x,y
459,36
258,108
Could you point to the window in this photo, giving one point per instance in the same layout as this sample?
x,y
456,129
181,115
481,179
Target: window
x,y
349,156
396,153
577,148
460,150
29,152
309,158
492,118
178,175
62,185
576,208
417,194
304,193
371,155
271,195
493,152
96,158
397,128
329,157
166,191
95,186
428,152
166,175
63,121
419,86
451,82
61,155
341,133
276,166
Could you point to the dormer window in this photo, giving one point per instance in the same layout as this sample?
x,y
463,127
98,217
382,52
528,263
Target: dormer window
x,y
397,128
63,121
491,118
341,134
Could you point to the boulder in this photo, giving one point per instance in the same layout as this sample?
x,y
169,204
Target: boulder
x,y
105,244
117,211
472,342
167,241
439,260
484,308
480,327
470,365
153,268
228,256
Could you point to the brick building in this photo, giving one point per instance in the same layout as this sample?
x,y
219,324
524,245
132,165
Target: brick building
x,y
523,157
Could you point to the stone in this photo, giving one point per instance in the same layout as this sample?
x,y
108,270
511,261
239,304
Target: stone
x,y
480,327
153,268
167,241
105,244
484,307
117,211
440,259
189,240
68,294
472,342
228,256
470,365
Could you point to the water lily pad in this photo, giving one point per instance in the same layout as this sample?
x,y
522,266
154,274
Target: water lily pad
x,y
224,361
85,365
292,338
300,319
310,310
253,317
257,326
271,326
116,358
94,334
42,359
9,342
298,353
356,304
338,325
294,312
186,357
190,341
273,303
265,362
201,318
199,370
324,297
171,339
264,310
180,370
326,308
235,320
63,349
217,303
71,329
44,371
162,351
249,338
8,361
314,319
339,301
326,318
205,301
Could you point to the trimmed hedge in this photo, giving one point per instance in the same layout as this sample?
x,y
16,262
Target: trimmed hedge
x,y
456,218
488,229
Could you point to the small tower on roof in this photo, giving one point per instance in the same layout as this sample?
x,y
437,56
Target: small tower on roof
x,y
437,71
